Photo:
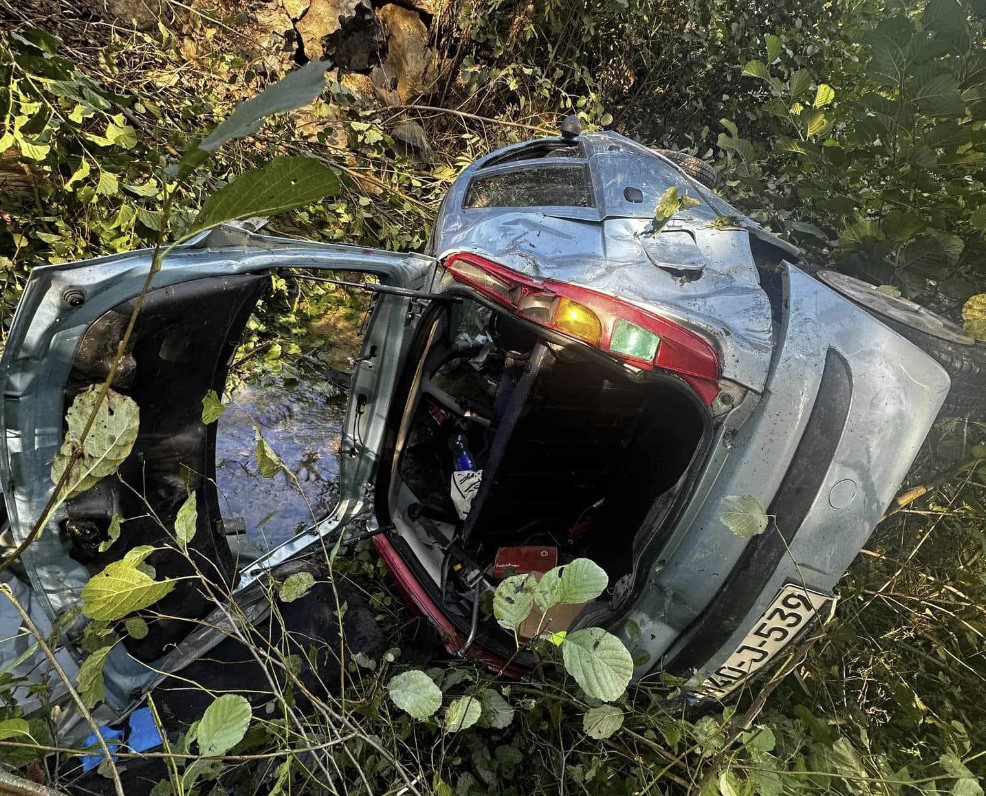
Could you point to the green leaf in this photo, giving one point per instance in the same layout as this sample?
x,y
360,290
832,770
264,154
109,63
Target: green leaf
x,y
112,533
283,184
773,47
743,515
800,81
513,600
186,520
33,150
121,135
602,722
763,740
295,586
599,662
223,725
415,693
120,589
268,462
109,442
497,712
729,784
824,95
136,627
293,91
944,16
901,226
978,218
90,677
755,68
938,94
15,728
570,584
212,407
462,713
84,170
671,202
108,184
966,783
816,123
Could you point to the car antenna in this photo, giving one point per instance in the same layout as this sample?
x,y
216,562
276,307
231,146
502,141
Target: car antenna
x,y
570,127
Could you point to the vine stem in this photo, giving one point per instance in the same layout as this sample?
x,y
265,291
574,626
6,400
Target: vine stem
x,y
83,710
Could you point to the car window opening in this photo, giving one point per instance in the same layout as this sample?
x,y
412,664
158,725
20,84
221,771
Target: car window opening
x,y
511,443
549,186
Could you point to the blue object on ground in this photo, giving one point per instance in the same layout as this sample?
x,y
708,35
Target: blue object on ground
x,y
89,762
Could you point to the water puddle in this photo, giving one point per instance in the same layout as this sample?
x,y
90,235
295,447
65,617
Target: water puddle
x,y
302,422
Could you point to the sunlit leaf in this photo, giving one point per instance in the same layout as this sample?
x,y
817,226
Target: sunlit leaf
x,y
415,693
90,678
755,68
577,582
186,520
824,95
212,407
743,515
120,589
112,533
268,462
974,316
462,713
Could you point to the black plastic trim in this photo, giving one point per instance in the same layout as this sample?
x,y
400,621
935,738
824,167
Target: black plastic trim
x,y
805,475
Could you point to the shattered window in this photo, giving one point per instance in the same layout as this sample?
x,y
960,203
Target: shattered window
x,y
552,149
564,186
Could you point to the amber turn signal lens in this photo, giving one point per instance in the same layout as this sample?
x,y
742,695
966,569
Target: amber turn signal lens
x,y
578,320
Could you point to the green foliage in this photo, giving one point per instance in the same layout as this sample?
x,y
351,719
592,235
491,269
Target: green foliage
x,y
598,661
462,713
109,441
185,521
90,679
295,586
415,693
120,589
670,203
602,722
743,515
223,725
577,582
513,600
212,408
283,184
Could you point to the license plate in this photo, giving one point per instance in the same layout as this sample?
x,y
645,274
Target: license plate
x,y
789,613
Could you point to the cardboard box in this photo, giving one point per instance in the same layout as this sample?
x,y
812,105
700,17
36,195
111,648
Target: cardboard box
x,y
558,617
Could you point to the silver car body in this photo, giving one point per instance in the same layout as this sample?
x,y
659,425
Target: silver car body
x,y
821,411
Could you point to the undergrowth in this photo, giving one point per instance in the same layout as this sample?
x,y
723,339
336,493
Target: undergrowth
x,y
882,176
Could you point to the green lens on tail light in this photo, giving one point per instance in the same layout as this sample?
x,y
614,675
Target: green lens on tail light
x,y
633,341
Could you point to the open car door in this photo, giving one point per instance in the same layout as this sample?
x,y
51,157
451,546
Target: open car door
x,y
63,340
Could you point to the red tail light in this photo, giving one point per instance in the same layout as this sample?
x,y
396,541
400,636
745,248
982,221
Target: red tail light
x,y
633,335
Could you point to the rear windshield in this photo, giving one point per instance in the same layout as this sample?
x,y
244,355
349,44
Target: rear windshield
x,y
559,186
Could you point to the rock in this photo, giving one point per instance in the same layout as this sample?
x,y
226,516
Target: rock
x,y
355,46
409,58
411,139
316,20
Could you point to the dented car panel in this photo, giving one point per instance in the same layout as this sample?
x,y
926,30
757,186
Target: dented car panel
x,y
813,407
848,404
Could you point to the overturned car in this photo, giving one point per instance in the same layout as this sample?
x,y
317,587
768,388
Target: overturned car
x,y
557,377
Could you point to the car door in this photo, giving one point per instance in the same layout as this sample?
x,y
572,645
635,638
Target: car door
x,y
64,336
